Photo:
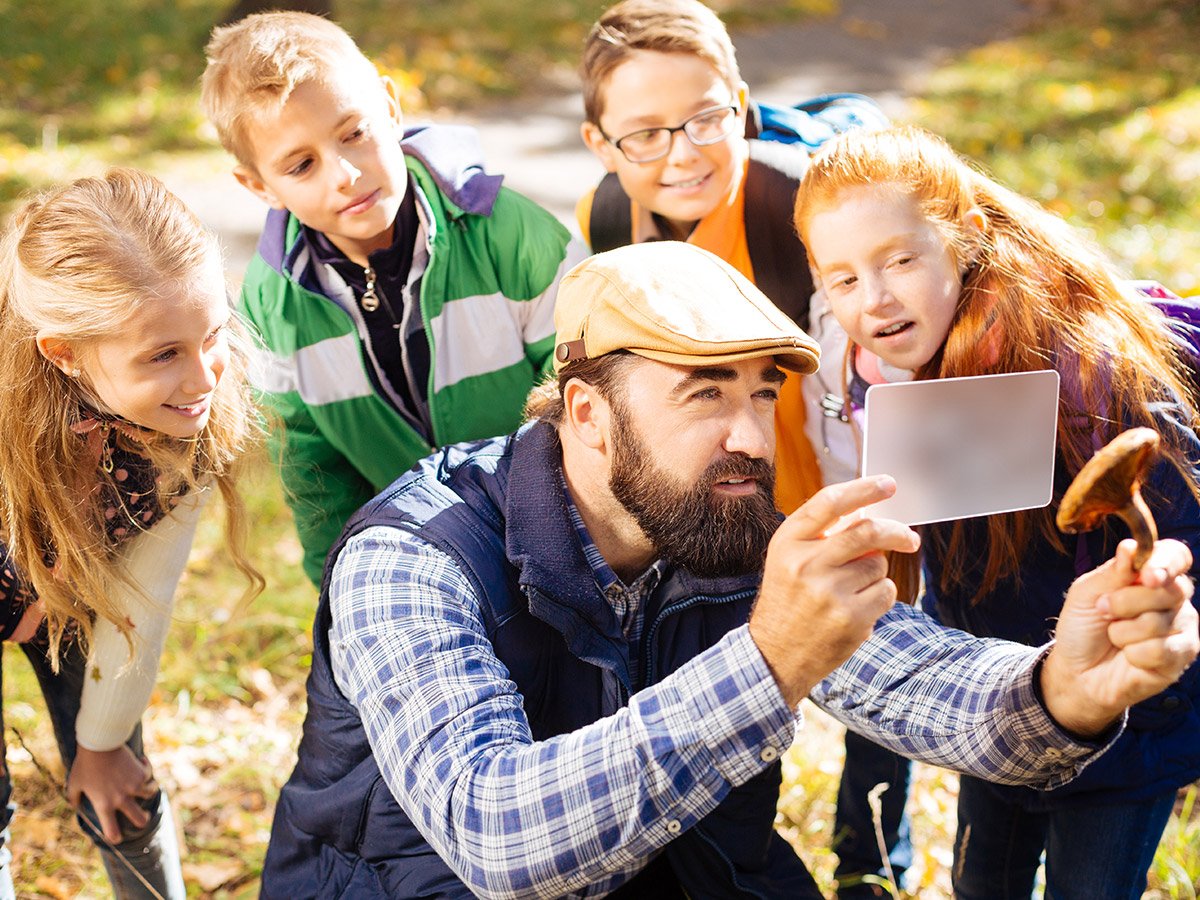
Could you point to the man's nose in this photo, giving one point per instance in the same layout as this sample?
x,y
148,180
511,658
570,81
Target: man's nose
x,y
751,434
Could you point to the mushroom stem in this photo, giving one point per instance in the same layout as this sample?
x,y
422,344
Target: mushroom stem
x,y
1136,514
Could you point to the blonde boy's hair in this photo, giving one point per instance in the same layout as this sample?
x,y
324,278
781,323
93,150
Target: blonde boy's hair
x,y
664,26
255,64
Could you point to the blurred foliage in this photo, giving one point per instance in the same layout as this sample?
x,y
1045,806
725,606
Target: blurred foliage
x,y
1096,114
81,89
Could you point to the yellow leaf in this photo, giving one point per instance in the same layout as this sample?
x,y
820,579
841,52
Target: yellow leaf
x,y
212,875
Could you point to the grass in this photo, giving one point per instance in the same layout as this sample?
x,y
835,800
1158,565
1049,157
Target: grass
x,y
1106,131
1096,115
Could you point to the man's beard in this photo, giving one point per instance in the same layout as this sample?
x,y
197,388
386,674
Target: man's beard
x,y
692,525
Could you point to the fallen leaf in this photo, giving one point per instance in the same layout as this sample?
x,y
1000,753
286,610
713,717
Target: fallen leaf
x,y
212,875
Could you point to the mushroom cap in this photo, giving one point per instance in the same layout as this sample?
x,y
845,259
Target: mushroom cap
x,y
1108,480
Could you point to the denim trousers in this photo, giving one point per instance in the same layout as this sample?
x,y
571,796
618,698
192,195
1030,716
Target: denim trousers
x,y
868,764
1091,852
145,865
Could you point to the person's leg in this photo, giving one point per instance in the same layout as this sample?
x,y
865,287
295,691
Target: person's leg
x,y
145,864
998,847
7,891
1104,851
868,764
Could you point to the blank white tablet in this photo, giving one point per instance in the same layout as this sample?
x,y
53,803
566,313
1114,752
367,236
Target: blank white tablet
x,y
961,447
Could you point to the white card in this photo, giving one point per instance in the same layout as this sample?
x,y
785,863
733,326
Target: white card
x,y
961,447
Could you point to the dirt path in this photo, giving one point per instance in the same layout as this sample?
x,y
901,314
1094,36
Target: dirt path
x,y
880,47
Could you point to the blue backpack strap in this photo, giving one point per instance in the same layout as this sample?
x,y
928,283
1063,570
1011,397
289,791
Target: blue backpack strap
x,y
776,254
610,223
812,122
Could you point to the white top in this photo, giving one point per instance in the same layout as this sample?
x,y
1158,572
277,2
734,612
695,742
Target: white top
x,y
116,687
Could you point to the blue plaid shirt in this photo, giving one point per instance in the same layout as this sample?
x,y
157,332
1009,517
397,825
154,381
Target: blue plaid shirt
x,y
581,813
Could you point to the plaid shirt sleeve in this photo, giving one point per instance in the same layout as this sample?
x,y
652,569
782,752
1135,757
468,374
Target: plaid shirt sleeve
x,y
575,815
946,697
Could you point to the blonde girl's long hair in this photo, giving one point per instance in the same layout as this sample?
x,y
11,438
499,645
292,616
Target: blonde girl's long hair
x,y
75,264
1037,294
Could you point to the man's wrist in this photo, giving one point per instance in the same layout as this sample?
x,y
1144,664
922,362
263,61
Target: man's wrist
x,y
1072,710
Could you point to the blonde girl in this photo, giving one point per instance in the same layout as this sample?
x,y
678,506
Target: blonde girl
x,y
934,270
123,404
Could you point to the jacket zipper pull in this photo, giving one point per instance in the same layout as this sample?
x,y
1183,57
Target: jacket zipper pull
x,y
369,299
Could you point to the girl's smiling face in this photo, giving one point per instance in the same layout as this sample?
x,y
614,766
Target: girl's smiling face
x,y
892,280
160,371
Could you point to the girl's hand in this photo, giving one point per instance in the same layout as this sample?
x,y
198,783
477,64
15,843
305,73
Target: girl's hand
x,y
29,624
114,781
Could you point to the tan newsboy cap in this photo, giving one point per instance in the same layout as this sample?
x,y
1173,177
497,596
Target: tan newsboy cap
x,y
675,303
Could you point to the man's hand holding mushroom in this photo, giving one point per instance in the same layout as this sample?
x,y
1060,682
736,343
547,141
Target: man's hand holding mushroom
x,y
1123,636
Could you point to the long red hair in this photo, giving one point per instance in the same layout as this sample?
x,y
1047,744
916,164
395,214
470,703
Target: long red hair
x,y
1038,294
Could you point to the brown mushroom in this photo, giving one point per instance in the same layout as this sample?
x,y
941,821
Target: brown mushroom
x,y
1108,484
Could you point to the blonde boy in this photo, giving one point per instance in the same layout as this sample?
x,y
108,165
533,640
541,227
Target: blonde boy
x,y
667,114
404,297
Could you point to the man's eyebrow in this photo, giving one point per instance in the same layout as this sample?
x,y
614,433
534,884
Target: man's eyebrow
x,y
705,373
773,374
770,373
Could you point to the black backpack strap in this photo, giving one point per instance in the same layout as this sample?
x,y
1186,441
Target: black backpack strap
x,y
780,263
610,224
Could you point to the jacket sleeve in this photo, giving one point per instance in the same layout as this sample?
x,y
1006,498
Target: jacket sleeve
x,y
322,487
117,688
532,251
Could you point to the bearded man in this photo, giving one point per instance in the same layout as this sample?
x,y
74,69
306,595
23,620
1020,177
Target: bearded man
x,y
555,664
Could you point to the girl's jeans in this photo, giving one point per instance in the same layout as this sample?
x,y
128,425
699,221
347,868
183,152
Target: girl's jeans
x,y
152,852
1091,851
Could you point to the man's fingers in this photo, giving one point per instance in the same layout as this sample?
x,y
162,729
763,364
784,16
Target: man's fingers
x,y
828,505
1131,602
1147,626
866,536
1167,658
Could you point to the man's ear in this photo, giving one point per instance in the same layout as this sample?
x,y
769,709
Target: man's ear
x,y
599,145
742,98
59,353
250,180
586,414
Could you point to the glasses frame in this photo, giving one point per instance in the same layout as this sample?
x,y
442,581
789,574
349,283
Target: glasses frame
x,y
682,126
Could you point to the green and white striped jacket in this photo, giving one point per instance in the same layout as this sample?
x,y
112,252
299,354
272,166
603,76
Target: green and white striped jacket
x,y
492,262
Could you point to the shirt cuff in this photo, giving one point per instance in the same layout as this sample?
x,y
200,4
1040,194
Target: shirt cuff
x,y
1048,742
732,697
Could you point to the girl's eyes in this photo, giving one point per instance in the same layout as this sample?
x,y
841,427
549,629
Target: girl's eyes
x,y
171,352
300,168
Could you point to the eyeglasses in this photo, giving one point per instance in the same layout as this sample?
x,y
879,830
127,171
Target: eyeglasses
x,y
709,126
